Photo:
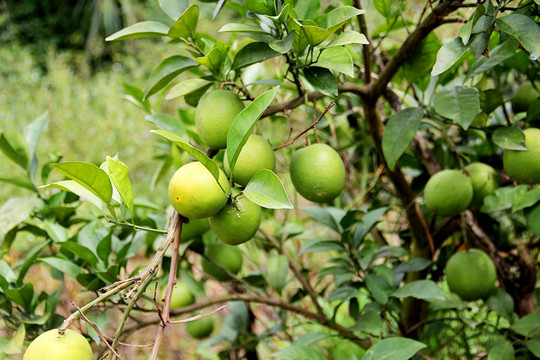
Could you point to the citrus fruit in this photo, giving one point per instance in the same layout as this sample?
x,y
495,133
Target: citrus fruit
x,y
227,256
180,297
214,115
523,97
200,328
237,223
484,181
195,193
317,173
52,346
471,274
194,228
257,154
448,192
524,165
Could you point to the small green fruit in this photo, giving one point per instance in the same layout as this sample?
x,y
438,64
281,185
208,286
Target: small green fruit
x,y
200,328
181,296
484,180
214,115
52,346
317,173
257,154
448,192
194,228
523,97
195,193
524,166
471,274
229,257
237,224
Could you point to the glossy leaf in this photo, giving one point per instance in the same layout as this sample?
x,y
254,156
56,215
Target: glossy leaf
x,y
243,125
421,289
448,55
283,46
138,30
396,348
307,9
313,34
89,176
337,59
253,53
243,28
499,54
118,172
76,188
64,266
295,352
527,199
136,96
339,16
349,37
56,232
16,344
14,146
502,303
215,58
364,226
265,7
322,80
460,104
399,132
196,153
81,252
503,198
169,123
388,8
265,189
328,216
523,28
186,24
509,138
167,70
173,8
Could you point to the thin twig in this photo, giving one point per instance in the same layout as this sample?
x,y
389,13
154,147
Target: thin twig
x,y
94,326
303,132
197,317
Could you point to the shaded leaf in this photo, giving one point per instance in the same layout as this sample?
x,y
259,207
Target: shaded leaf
x,y
528,326
396,348
20,181
448,55
64,266
509,138
283,46
318,246
277,268
265,189
503,198
338,59
533,345
167,70
460,104
364,226
322,80
295,352
253,53
14,146
502,303
142,29
326,216
399,132
76,188
523,28
421,289
499,54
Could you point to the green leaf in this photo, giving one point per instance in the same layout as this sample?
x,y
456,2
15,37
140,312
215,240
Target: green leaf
x,y
295,352
533,345
277,268
186,87
448,55
509,138
527,199
523,28
242,126
13,212
89,176
20,181
388,8
64,266
82,252
379,288
313,34
265,189
307,9
348,37
460,104
528,326
339,16
421,289
399,132
56,233
253,53
533,219
186,24
169,123
6,272
416,264
167,70
330,217
14,146
322,80
364,226
33,132
338,59
422,58
499,54
76,188
503,350
265,7
502,303
318,246
29,260
138,30
283,46
215,58
16,345
396,348
243,28
196,153
173,8
136,96
503,198
118,172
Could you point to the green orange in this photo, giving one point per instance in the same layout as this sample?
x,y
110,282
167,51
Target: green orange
x,y
214,115
52,346
227,256
448,192
257,154
484,180
237,223
195,193
524,165
523,97
195,228
181,296
200,328
471,274
317,173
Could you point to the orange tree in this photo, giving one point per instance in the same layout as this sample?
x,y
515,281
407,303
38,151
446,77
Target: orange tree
x,y
400,91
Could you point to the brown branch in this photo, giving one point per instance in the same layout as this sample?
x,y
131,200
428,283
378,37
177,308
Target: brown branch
x,y
291,104
366,49
302,132
197,317
94,326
